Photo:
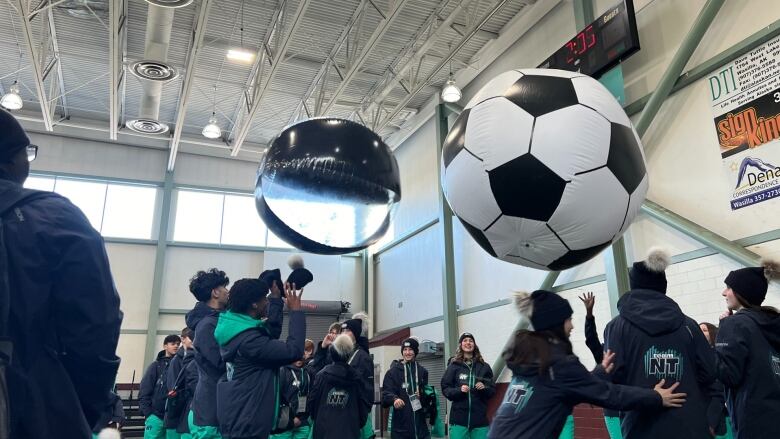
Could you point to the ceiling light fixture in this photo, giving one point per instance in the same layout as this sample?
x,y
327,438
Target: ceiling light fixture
x,y
241,55
212,130
451,92
12,100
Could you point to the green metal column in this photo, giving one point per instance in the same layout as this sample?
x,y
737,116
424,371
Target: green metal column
x,y
500,363
699,233
583,13
449,298
159,270
616,270
680,59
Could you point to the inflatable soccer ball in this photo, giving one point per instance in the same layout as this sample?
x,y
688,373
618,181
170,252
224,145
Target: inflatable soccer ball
x,y
544,168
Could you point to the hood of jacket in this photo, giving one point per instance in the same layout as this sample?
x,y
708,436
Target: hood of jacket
x,y
362,343
530,368
231,324
652,312
341,374
769,324
161,355
198,313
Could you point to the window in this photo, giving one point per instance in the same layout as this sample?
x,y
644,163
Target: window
x,y
241,225
89,196
40,183
198,216
129,211
276,242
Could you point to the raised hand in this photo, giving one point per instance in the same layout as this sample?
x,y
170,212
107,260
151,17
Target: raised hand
x,y
607,361
293,297
589,300
670,398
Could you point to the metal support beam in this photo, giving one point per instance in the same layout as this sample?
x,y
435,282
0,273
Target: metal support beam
x,y
583,13
55,46
676,66
117,25
380,31
500,363
260,89
398,108
616,271
415,59
449,299
701,234
32,54
196,45
159,269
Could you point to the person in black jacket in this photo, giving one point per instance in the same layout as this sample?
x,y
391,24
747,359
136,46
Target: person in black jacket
x,y
611,417
321,356
179,394
337,402
402,389
548,380
654,340
154,391
296,382
248,395
716,410
360,359
210,288
468,383
748,350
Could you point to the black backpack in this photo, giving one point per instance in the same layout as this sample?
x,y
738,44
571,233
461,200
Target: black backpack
x,y
10,198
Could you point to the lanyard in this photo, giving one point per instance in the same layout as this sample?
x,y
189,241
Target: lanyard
x,y
302,389
416,381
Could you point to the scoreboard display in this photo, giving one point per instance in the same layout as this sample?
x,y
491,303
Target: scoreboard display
x,y
610,39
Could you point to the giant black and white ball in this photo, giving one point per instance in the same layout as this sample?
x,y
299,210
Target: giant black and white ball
x,y
328,186
544,168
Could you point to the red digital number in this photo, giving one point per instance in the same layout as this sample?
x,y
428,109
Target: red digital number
x,y
572,46
591,36
581,43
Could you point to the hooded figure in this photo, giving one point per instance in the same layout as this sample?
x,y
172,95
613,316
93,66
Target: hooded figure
x,y
61,306
548,380
748,350
402,390
653,340
360,359
336,401
247,397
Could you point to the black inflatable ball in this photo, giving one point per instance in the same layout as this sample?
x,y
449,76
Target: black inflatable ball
x,y
328,186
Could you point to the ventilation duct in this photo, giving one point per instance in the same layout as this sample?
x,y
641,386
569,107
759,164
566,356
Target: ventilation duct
x,y
154,71
81,8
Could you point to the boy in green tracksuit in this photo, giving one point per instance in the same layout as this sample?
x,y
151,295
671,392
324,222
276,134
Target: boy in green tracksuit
x,y
468,383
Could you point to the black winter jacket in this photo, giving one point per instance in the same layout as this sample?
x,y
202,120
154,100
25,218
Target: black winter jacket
x,y
154,391
364,366
336,403
653,340
468,409
203,320
177,378
748,350
401,380
296,385
536,406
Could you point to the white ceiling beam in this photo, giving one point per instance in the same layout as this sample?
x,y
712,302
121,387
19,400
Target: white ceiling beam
x,y
414,60
443,62
260,89
357,64
196,46
117,18
32,54
56,49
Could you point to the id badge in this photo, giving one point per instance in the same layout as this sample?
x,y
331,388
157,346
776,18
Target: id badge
x,y
301,404
415,401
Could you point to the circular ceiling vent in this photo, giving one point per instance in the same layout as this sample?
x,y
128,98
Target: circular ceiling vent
x,y
147,126
153,70
170,3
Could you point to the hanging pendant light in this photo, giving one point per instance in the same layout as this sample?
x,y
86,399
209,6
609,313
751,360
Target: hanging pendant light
x,y
451,92
12,100
212,130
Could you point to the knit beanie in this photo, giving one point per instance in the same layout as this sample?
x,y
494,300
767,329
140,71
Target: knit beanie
x,y
411,343
649,274
300,276
751,283
271,276
13,138
545,309
358,324
466,335
341,348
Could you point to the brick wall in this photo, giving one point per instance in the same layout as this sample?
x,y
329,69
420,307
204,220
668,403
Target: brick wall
x,y
589,422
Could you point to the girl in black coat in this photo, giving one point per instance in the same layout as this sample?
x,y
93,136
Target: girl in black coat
x,y
548,380
402,389
468,383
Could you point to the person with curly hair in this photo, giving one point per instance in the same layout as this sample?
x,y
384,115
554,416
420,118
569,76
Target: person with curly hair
x,y
468,383
210,289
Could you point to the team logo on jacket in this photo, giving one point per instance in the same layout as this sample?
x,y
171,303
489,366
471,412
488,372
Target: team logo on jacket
x,y
463,377
338,398
663,364
775,364
518,393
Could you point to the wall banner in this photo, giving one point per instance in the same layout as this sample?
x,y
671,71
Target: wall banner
x,y
746,106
